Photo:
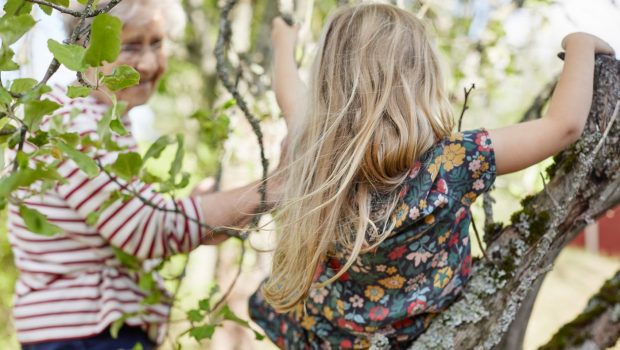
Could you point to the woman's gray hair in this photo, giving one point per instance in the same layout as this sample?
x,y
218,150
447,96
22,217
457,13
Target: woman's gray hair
x,y
139,12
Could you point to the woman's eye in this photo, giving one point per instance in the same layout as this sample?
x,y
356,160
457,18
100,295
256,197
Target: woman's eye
x,y
131,47
156,44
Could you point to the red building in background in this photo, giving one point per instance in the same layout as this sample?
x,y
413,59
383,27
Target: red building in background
x,y
603,236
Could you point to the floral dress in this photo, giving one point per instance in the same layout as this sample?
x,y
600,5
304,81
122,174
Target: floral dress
x,y
415,273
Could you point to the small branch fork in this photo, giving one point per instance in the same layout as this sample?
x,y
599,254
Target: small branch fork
x,y
465,105
89,13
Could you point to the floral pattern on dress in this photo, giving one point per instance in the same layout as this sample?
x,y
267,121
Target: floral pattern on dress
x,y
417,272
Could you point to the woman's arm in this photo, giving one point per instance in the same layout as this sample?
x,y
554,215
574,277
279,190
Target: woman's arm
x,y
155,226
522,145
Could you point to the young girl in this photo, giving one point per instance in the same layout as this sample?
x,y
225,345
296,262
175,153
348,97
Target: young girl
x,y
377,202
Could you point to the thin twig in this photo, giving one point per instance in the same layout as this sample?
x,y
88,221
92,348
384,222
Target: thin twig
x,y
553,200
82,80
234,281
614,116
465,106
477,234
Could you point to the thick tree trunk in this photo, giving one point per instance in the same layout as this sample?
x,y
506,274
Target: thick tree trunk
x,y
584,183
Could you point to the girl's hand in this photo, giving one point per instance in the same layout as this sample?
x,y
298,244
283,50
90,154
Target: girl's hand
x,y
283,35
582,41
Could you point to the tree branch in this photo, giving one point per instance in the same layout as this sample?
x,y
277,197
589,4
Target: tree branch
x,y
74,13
597,326
223,40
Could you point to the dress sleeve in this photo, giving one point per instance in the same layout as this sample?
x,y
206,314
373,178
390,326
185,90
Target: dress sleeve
x,y
468,164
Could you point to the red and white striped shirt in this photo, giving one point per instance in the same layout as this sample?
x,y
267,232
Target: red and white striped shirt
x,y
71,285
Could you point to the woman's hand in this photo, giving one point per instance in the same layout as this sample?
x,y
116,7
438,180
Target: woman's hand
x,y
582,41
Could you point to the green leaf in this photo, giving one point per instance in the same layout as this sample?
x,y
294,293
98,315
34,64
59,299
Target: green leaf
x,y
149,178
71,56
22,85
138,346
22,160
175,167
185,176
229,104
37,222
121,78
93,217
34,111
35,93
40,139
46,9
14,27
229,315
86,163
127,165
147,282
72,139
205,304
7,131
5,97
6,59
17,7
195,315
202,332
157,147
103,126
105,40
127,260
117,126
25,178
115,327
78,91
258,336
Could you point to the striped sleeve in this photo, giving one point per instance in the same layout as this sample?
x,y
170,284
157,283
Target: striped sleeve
x,y
147,227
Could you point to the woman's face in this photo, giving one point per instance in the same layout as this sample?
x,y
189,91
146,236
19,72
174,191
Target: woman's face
x,y
142,49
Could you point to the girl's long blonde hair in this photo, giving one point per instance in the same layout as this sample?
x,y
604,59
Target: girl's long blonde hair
x,y
376,103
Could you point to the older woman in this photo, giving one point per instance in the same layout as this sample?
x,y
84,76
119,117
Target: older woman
x,y
72,286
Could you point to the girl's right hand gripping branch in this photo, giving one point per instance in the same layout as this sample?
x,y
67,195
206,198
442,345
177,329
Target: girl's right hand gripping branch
x,y
522,145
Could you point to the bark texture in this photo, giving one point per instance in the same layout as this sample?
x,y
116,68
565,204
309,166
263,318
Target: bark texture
x,y
597,326
583,184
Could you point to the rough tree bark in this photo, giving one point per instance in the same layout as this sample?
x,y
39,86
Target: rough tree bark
x,y
583,184
597,326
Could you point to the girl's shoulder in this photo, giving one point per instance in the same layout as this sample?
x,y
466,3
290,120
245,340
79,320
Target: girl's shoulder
x,y
450,175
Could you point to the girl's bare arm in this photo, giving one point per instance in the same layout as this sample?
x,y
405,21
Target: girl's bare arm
x,y
522,145
289,88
